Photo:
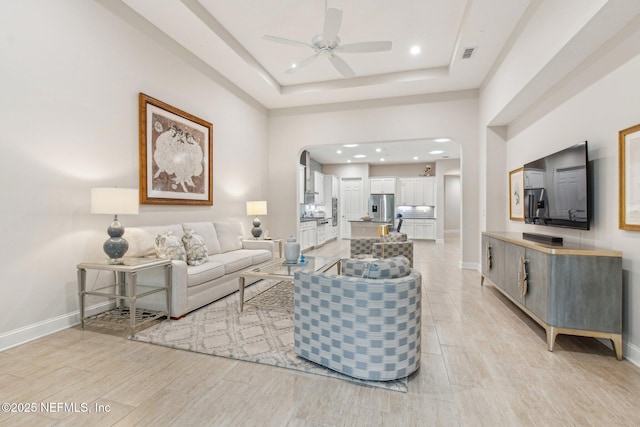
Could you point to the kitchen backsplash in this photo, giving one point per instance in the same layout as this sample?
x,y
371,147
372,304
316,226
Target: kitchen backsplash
x,y
409,212
312,211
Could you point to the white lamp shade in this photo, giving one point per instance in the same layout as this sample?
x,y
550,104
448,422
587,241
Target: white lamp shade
x,y
257,208
115,201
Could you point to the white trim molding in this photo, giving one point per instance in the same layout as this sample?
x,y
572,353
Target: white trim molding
x,y
32,332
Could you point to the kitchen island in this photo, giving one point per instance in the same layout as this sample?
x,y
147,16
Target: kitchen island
x,y
362,228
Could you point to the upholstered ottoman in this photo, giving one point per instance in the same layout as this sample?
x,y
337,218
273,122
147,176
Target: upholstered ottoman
x,y
364,323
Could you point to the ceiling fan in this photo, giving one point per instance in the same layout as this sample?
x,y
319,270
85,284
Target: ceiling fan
x,y
327,44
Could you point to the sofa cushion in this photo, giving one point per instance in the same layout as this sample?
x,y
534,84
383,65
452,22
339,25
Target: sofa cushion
x,y
229,235
170,246
232,261
142,240
208,233
199,274
258,256
388,268
195,248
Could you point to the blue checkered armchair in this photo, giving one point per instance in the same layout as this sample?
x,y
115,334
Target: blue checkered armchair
x,y
395,244
364,323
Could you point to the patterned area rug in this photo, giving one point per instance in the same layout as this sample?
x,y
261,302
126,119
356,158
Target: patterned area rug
x,y
263,333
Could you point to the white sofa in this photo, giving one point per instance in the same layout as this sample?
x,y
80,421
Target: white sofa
x,y
194,286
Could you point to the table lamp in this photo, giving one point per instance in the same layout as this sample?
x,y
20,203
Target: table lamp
x,y
115,201
255,208
383,230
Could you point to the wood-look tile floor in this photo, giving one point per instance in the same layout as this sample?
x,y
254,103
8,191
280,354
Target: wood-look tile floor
x,y
484,363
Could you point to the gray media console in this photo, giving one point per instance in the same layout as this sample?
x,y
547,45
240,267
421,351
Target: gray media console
x,y
569,289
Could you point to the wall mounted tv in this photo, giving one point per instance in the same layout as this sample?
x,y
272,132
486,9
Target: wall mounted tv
x,y
557,189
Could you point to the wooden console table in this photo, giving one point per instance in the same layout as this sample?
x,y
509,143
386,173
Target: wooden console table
x,y
569,289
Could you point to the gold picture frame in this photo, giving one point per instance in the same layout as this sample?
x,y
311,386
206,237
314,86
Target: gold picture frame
x,y
629,178
516,194
176,155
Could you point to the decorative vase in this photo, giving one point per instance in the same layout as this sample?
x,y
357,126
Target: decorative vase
x,y
291,250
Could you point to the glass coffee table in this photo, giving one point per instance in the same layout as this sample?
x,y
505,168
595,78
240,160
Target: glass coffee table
x,y
280,269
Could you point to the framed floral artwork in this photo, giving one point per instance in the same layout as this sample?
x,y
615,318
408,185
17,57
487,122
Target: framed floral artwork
x,y
629,178
176,155
516,194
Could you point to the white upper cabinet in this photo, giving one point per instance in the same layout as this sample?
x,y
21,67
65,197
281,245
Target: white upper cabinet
x,y
335,186
419,191
382,185
318,187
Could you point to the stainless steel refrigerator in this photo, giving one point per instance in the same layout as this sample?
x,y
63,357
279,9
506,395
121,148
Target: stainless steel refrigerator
x,y
382,207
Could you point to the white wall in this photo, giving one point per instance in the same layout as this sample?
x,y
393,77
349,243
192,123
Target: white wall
x,y
452,195
596,115
591,101
70,77
453,115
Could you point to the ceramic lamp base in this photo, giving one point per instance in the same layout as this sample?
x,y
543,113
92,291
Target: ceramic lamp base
x,y
115,247
256,231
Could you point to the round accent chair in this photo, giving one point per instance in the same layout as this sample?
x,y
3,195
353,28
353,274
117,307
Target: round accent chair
x,y
364,323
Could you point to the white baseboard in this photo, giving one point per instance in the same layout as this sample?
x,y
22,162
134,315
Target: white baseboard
x,y
28,333
470,266
631,353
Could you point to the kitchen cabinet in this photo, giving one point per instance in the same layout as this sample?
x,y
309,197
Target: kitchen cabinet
x,y
419,228
335,187
334,232
419,191
571,289
425,229
321,234
318,187
308,234
382,185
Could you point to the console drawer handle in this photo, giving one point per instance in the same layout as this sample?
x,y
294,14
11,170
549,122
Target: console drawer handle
x,y
523,276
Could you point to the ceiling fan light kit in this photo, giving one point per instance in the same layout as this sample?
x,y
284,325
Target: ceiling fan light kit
x,y
328,43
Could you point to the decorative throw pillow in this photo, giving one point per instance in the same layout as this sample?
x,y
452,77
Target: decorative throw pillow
x,y
197,252
168,245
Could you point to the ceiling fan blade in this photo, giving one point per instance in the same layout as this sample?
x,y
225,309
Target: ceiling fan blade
x,y
287,41
332,23
364,47
301,64
341,66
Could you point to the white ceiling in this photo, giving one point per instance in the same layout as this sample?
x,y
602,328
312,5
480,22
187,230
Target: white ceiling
x,y
390,152
228,36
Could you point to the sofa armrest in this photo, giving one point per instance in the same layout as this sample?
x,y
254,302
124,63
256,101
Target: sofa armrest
x,y
178,288
259,244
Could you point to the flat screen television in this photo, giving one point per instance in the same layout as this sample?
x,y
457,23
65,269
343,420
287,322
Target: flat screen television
x,y
557,189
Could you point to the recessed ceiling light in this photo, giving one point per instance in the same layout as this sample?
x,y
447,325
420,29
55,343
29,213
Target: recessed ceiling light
x,y
378,150
415,157
359,156
415,50
442,139
349,161
350,145
382,160
339,151
436,152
